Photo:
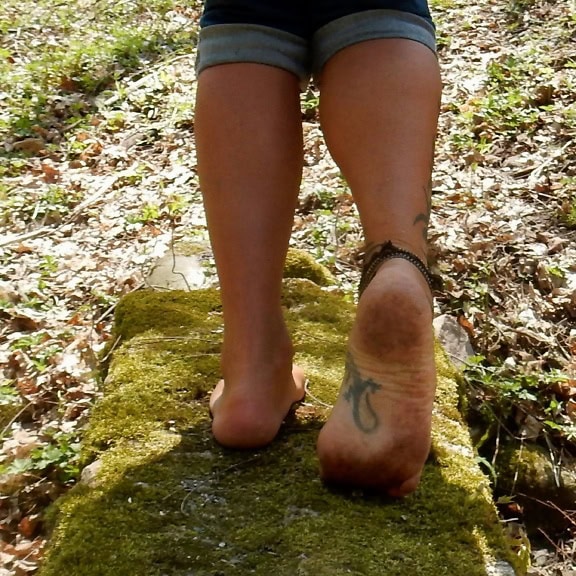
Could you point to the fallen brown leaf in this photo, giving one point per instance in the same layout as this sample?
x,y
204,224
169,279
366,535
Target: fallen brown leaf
x,y
30,145
51,174
29,526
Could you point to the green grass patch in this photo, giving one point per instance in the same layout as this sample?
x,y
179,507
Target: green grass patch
x,y
55,57
515,98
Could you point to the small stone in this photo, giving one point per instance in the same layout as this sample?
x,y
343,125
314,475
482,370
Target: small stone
x,y
531,428
540,557
177,272
454,339
89,475
8,293
500,569
206,454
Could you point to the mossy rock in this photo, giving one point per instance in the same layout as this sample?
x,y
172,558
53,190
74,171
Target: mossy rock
x,y
8,412
527,472
300,264
168,501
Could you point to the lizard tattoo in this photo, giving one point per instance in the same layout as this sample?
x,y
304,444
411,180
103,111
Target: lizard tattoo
x,y
358,395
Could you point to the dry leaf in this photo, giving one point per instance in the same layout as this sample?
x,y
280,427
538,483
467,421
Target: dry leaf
x,y
467,325
30,145
41,131
68,84
24,249
571,410
21,323
27,386
29,525
93,149
564,390
51,174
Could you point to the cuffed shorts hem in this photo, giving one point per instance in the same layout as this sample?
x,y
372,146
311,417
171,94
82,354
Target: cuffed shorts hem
x,y
369,25
255,43
233,43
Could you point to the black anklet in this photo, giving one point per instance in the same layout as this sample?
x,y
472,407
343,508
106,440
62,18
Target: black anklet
x,y
382,252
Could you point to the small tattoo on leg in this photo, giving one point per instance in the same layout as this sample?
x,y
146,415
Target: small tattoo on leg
x,y
358,395
425,217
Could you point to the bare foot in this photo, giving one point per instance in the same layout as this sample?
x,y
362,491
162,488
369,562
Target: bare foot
x,y
250,407
378,435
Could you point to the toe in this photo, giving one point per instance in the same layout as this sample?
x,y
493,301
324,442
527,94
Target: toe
x,y
406,488
215,396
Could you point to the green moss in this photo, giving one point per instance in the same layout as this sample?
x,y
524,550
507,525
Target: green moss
x,y
568,216
190,248
7,412
170,502
300,264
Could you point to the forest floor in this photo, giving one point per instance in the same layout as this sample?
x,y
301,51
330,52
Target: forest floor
x,y
98,180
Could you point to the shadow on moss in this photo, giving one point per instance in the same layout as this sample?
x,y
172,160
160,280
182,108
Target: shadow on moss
x,y
199,510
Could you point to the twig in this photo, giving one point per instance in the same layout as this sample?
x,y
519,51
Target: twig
x,y
497,446
174,260
308,393
184,502
105,187
554,544
112,348
533,173
555,507
144,79
238,464
454,357
172,338
20,412
553,460
517,471
111,309
25,236
536,173
109,182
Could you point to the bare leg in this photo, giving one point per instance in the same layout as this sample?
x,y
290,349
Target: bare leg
x,y
249,142
379,109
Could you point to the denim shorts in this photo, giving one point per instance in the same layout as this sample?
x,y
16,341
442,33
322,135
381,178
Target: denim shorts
x,y
300,36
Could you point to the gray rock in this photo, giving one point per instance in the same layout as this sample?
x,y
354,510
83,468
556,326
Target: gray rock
x,y
500,569
454,339
89,475
177,272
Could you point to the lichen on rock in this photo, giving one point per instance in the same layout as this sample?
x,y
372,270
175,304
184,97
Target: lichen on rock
x,y
169,501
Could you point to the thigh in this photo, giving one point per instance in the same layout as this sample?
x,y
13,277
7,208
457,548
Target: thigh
x,y
347,23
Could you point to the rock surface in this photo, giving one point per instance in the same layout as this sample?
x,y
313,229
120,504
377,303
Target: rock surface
x,y
454,339
542,482
177,272
168,501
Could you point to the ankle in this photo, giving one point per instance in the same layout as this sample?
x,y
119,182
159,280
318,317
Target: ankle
x,y
268,345
417,246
